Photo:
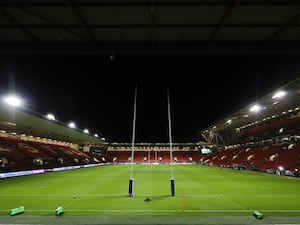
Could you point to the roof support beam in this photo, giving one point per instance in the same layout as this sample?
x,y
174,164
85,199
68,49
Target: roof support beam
x,y
14,23
52,25
81,19
71,48
152,22
145,3
292,22
226,15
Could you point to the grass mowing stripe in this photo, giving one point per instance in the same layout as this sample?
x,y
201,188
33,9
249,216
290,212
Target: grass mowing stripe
x,y
234,203
60,195
153,195
101,190
153,210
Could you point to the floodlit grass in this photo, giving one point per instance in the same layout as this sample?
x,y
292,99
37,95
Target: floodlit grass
x,y
103,191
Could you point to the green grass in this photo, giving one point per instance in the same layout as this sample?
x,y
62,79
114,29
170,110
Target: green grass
x,y
200,191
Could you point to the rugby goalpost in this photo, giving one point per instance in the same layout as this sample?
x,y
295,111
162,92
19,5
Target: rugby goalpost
x,y
131,179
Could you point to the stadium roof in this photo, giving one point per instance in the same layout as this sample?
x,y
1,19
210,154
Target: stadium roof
x,y
148,26
270,107
19,122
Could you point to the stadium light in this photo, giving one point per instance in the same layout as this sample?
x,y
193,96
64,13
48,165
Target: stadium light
x,y
86,131
72,125
280,168
13,100
255,108
50,116
279,94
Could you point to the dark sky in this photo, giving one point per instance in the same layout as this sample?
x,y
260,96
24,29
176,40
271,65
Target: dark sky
x,y
97,92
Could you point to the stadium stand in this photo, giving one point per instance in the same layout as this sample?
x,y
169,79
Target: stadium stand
x,y
153,153
24,155
268,142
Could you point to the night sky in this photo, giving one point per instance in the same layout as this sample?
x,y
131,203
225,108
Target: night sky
x,y
97,92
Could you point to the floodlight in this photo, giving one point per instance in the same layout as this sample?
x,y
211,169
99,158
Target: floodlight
x,y
50,116
96,135
86,131
13,100
279,94
255,108
280,168
72,125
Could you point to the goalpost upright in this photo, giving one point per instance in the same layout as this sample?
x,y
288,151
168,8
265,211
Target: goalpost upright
x,y
172,180
131,180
